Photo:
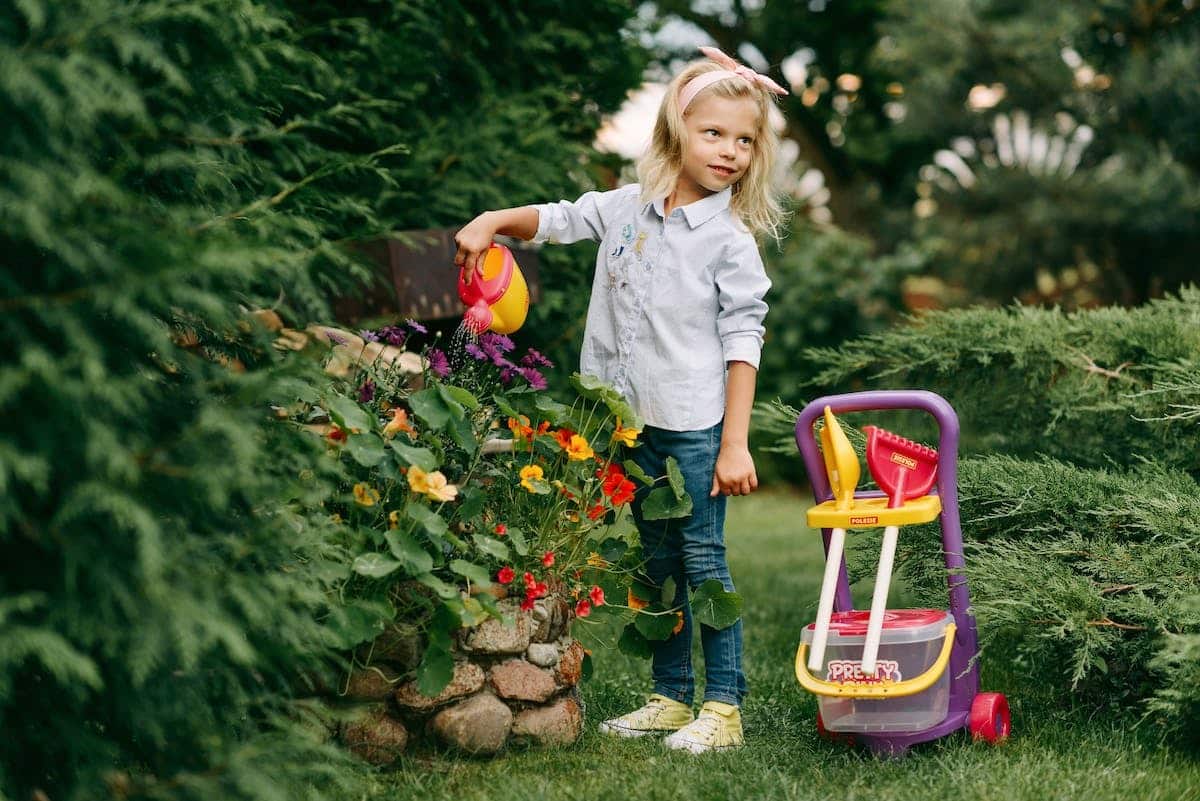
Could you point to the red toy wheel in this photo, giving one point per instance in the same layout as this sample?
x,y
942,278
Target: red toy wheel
x,y
822,732
832,736
989,719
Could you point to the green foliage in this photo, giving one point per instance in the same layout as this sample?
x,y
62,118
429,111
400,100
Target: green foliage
x,y
446,508
1078,491
1092,194
1096,387
165,163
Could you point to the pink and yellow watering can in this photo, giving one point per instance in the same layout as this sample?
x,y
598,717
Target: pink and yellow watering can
x,y
497,300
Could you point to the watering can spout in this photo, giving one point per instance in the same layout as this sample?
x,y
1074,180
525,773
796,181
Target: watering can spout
x,y
497,298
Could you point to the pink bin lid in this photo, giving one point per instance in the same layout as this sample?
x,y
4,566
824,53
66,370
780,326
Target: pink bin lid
x,y
854,622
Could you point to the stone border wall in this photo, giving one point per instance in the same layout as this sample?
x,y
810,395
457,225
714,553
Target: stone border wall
x,y
514,683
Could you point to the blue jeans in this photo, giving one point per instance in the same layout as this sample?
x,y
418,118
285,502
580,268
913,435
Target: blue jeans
x,y
692,550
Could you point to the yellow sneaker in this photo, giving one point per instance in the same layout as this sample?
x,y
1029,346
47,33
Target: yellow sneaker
x,y
658,715
717,727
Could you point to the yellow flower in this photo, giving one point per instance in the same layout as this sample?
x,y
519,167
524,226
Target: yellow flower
x,y
394,519
626,436
398,423
418,480
439,488
578,449
529,474
596,560
365,495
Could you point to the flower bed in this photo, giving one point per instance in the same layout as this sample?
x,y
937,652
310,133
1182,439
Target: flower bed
x,y
482,518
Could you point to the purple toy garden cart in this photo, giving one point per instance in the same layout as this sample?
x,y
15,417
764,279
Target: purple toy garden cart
x,y
925,682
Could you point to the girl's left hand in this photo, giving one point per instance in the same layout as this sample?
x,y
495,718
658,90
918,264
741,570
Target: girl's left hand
x,y
734,474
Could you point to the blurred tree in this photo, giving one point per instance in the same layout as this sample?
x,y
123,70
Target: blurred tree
x,y
1038,152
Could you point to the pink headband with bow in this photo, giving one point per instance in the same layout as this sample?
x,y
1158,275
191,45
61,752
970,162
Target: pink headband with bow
x,y
732,70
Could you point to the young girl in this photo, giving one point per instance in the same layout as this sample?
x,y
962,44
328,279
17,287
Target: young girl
x,y
675,323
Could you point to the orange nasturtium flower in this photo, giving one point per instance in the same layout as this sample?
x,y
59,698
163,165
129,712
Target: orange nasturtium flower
x,y
625,436
398,423
596,560
529,474
520,428
578,449
678,626
563,437
634,602
365,494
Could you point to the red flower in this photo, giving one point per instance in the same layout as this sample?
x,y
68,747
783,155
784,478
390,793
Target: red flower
x,y
527,604
506,575
530,582
336,434
539,590
501,529
583,609
624,493
597,596
613,477
596,511
548,558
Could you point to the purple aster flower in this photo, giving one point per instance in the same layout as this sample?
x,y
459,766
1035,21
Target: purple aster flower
x,y
369,336
366,392
534,358
414,325
535,379
497,342
508,374
392,334
474,351
439,365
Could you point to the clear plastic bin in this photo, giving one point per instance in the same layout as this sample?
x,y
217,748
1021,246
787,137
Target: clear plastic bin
x,y
909,645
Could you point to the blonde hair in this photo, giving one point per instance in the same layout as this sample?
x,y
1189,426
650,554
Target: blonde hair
x,y
753,202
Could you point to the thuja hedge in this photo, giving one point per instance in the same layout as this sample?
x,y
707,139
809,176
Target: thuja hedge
x,y
1077,483
166,163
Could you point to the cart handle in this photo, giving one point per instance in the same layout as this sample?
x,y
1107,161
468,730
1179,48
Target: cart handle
x,y
897,689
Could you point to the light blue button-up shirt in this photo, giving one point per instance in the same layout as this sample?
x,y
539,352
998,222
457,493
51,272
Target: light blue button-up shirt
x,y
674,299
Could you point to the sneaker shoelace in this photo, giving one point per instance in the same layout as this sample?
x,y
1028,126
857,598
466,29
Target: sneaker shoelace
x,y
705,727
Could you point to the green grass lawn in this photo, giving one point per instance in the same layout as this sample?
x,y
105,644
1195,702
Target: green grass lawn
x,y
1054,753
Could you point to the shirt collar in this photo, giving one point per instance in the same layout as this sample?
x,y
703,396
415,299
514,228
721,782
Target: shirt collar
x,y
701,211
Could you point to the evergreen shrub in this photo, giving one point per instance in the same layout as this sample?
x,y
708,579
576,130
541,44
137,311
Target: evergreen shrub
x,y
1077,486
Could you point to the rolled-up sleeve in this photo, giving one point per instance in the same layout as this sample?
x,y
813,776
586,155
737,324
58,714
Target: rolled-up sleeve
x,y
742,284
569,221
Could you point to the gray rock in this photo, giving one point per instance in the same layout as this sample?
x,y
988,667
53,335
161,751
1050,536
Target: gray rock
x,y
478,725
542,654
559,723
498,637
375,736
468,679
374,683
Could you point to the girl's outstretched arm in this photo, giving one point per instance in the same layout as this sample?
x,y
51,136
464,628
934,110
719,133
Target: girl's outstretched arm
x,y
735,474
474,238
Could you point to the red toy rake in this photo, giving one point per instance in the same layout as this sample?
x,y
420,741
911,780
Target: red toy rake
x,y
904,470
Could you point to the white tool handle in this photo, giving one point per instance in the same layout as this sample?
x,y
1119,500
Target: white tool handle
x,y
833,566
879,601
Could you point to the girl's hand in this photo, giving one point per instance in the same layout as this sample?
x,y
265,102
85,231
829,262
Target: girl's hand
x,y
473,241
734,474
